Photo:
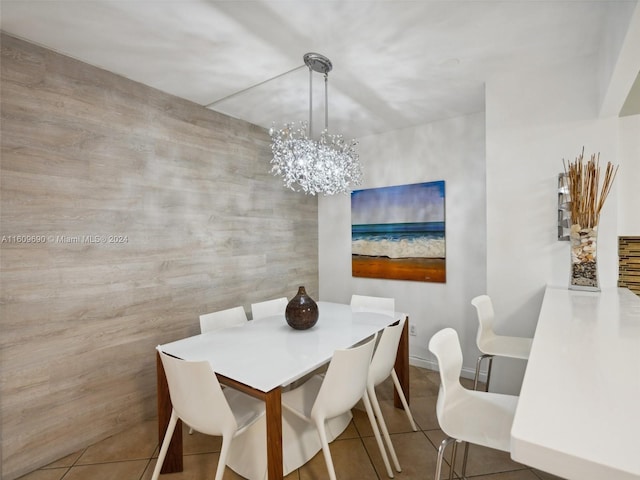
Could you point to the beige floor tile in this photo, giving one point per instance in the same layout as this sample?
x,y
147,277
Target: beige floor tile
x,y
46,474
350,460
424,383
416,455
67,461
482,460
199,442
423,410
468,383
199,467
195,467
384,391
395,419
517,475
544,475
131,470
361,421
421,383
135,443
350,432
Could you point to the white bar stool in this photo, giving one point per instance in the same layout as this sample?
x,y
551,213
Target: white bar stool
x,y
483,418
490,344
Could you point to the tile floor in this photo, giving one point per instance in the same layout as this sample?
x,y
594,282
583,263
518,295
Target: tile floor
x,y
131,455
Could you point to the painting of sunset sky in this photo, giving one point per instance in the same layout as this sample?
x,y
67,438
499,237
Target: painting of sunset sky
x,y
399,232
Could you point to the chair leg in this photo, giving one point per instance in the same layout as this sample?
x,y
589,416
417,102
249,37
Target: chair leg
x,y
325,448
383,427
376,432
464,460
478,363
165,444
224,453
441,449
454,453
403,399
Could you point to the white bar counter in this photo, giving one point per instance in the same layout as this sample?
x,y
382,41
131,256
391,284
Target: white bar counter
x,y
578,416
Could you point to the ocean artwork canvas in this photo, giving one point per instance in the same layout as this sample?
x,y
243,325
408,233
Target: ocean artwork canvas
x,y
398,232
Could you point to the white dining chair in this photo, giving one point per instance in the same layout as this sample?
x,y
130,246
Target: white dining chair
x,y
383,362
210,322
222,318
382,367
483,418
490,344
268,308
364,303
198,400
322,398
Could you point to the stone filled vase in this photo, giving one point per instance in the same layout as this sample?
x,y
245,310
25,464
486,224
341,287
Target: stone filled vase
x,y
584,253
301,312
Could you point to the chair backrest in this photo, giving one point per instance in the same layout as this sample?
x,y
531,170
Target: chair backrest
x,y
345,381
484,309
197,397
221,319
384,357
269,308
445,345
363,303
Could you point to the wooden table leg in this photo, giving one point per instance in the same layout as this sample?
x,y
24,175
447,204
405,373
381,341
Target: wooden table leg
x,y
173,460
273,413
402,366
273,405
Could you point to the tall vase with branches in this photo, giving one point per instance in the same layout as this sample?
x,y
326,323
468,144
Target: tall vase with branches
x,y
587,199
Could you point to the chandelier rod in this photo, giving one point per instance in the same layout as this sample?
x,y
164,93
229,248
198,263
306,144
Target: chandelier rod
x,y
310,101
326,101
321,64
244,90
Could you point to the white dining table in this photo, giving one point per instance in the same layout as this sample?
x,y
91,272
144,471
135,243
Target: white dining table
x,y
262,356
578,414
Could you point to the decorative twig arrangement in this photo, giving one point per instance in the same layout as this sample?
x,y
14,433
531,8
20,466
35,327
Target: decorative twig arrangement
x,y
584,179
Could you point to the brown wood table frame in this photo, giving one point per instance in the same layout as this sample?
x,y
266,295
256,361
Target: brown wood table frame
x,y
273,406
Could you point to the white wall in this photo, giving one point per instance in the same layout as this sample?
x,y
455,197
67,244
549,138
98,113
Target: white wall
x,y
629,179
533,121
452,150
618,55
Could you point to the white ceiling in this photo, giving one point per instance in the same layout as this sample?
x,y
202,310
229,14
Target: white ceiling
x,y
396,63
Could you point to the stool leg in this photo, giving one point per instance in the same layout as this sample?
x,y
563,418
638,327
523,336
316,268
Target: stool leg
x,y
441,449
454,451
464,460
486,388
477,375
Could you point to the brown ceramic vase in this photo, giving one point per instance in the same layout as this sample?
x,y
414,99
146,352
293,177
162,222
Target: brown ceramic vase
x,y
301,312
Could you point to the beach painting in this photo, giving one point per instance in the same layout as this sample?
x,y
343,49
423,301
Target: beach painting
x,y
398,232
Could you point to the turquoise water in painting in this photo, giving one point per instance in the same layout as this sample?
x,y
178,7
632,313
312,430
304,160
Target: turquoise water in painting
x,y
399,240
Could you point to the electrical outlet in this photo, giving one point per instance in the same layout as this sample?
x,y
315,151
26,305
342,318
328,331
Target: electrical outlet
x,y
413,330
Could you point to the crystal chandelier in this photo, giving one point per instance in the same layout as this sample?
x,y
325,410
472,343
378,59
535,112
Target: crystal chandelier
x,y
328,165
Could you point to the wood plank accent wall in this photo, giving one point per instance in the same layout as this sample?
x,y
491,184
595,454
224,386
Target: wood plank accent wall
x,y
125,213
629,268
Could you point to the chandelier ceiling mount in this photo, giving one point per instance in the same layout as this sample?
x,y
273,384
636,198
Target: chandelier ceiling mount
x,y
328,165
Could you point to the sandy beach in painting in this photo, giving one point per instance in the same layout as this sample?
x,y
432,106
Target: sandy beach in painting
x,y
416,269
